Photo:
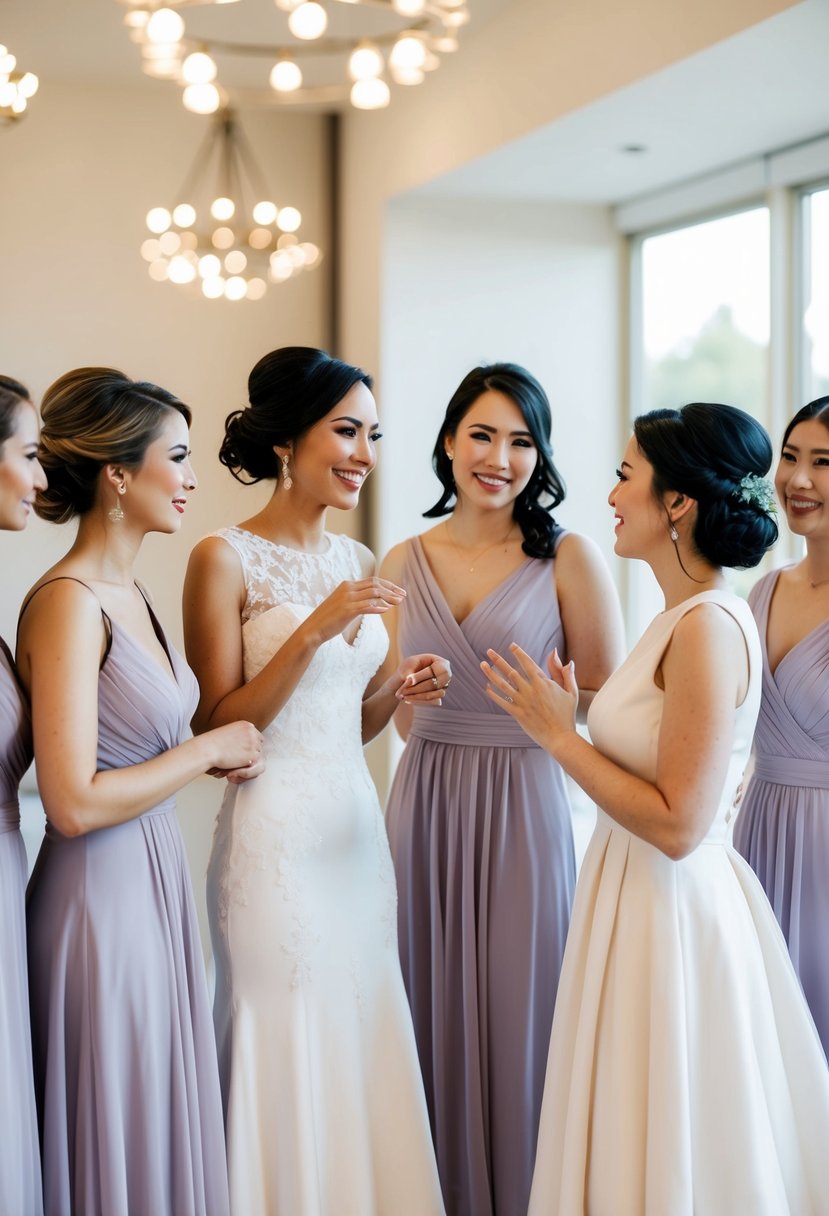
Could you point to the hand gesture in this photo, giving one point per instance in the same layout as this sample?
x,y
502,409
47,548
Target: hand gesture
x,y
237,752
421,679
368,596
544,707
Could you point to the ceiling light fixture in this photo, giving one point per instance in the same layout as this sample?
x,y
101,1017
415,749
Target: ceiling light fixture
x,y
16,88
405,56
224,235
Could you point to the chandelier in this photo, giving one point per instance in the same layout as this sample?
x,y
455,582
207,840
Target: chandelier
x,y
223,233
15,88
405,56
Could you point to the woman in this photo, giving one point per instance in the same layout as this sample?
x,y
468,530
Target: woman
x,y
685,1074
125,1061
782,828
324,1102
479,819
20,1188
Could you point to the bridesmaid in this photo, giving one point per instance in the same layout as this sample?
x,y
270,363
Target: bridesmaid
x,y
783,826
20,1188
479,819
125,1060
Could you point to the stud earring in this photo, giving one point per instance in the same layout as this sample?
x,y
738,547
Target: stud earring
x,y
287,480
115,514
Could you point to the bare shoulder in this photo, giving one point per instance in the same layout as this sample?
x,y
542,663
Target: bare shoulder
x,y
707,634
215,552
578,554
58,594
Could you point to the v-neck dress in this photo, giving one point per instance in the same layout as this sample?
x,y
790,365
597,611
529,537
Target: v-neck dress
x,y
481,836
20,1189
125,1057
783,826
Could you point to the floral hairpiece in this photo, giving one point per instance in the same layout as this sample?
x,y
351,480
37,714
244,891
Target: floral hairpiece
x,y
758,491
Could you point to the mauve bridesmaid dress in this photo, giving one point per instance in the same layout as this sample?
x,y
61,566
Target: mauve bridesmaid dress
x,y
481,836
126,1073
782,829
20,1188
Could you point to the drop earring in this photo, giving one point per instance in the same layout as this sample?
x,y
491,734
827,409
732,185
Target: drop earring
x,y
674,535
115,514
287,480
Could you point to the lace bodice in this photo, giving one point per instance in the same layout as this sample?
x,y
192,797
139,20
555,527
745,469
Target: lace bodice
x,y
283,586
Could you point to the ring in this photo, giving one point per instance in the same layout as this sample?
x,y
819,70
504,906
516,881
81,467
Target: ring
x,y
508,700
435,682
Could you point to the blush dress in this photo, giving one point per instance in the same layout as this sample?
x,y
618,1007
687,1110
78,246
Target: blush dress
x,y
324,1100
20,1185
686,1077
783,826
125,1058
480,831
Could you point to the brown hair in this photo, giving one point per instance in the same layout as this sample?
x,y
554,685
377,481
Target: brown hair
x,y
12,393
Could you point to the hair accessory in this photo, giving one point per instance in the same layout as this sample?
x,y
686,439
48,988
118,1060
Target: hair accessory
x,y
115,514
758,491
287,480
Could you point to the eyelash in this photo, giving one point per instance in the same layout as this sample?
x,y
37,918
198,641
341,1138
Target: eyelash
x,y
180,457
350,432
620,475
789,457
519,443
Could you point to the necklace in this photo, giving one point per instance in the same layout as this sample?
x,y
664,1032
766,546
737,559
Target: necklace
x,y
476,557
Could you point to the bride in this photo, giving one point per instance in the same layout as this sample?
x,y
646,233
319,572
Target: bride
x,y
324,1102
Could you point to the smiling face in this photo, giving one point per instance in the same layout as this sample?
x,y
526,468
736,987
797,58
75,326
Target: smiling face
x,y
641,520
330,462
493,452
802,479
156,493
20,471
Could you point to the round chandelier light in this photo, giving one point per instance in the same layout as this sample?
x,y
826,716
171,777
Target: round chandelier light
x,y
429,28
16,88
223,234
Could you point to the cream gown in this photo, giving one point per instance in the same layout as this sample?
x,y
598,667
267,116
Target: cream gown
x,y
685,1075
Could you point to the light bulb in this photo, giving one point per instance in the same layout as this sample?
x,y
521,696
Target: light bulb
x,y
158,270
222,208
184,215
409,8
308,21
19,104
370,94
165,25
235,261
236,288
264,213
256,288
286,76
281,266
209,266
201,98
260,238
222,238
27,84
287,6
408,75
286,240
365,61
289,219
7,64
214,287
312,254
169,243
150,249
198,68
447,44
8,92
136,18
455,18
181,271
158,219
407,52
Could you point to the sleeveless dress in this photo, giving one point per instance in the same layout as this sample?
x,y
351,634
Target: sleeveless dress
x,y
324,1101
686,1077
20,1185
125,1058
783,826
480,831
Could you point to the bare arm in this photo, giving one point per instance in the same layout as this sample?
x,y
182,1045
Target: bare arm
x,y
705,673
59,653
590,615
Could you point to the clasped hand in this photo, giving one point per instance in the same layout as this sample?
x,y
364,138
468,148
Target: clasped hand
x,y
421,679
544,706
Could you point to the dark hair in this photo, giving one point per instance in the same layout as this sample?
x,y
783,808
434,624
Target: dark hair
x,y
705,450
545,489
289,390
12,392
819,408
92,417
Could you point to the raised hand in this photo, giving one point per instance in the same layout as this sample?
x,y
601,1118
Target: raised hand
x,y
545,707
368,596
421,679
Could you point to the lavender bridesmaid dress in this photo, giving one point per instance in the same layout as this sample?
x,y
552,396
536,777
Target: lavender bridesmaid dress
x,y
125,1059
481,837
783,826
20,1189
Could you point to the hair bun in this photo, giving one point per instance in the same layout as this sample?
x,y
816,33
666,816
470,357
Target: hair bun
x,y
732,532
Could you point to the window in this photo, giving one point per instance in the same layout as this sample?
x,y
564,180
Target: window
x,y
815,337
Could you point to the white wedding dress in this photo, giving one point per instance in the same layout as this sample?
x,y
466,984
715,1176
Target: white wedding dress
x,y
324,1100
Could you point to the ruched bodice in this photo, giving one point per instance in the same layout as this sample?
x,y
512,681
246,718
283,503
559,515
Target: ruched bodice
x,y
15,741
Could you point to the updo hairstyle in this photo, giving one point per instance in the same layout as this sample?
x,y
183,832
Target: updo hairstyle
x,y
819,409
12,393
704,451
545,489
290,390
92,417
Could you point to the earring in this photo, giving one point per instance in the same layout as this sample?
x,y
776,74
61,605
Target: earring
x,y
287,480
674,535
115,514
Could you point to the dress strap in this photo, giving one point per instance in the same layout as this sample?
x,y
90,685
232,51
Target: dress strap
x,y
68,578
